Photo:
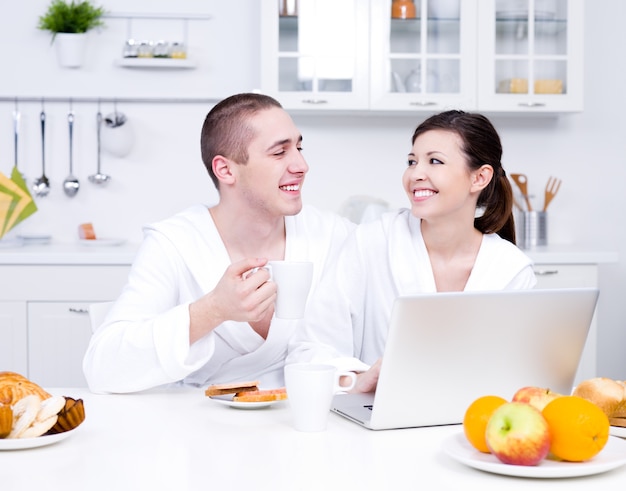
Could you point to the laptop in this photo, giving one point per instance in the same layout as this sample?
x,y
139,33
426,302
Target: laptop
x,y
445,350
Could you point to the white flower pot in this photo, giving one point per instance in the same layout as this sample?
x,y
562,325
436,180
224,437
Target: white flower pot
x,y
70,49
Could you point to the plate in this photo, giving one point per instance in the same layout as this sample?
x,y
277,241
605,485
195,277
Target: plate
x,y
618,431
35,239
101,242
613,455
40,441
227,400
8,243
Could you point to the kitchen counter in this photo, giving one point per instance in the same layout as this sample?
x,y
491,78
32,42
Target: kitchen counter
x,y
180,439
69,254
78,253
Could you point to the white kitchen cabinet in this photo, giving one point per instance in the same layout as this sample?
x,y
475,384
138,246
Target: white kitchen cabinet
x,y
575,276
13,336
317,59
530,55
426,63
44,317
493,56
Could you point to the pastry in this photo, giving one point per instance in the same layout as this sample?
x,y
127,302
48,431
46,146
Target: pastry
x,y
608,394
6,420
72,415
261,395
14,387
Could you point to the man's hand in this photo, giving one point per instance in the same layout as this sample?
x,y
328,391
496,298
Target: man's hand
x,y
243,294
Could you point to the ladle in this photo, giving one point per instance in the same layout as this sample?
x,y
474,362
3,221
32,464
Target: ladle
x,y
71,184
98,177
41,185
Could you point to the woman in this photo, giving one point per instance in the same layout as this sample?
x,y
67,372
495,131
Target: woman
x,y
458,235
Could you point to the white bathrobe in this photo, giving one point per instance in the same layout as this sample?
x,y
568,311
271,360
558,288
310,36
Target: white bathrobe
x,y
348,319
144,340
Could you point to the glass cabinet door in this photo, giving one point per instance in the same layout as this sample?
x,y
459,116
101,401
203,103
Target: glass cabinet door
x,y
317,53
423,60
535,55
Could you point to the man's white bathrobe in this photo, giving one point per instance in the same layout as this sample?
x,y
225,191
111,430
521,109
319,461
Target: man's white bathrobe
x,y
347,323
144,340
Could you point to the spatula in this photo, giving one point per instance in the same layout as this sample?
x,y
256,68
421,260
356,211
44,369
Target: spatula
x,y
551,189
522,183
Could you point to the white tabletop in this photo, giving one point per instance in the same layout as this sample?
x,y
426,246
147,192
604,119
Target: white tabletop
x,y
182,440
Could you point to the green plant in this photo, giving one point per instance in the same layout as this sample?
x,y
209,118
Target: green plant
x,y
73,17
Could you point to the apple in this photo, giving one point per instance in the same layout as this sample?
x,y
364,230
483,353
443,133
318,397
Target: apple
x,y
535,396
517,433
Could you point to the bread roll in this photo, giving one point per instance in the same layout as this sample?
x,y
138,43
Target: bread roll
x,y
14,387
608,394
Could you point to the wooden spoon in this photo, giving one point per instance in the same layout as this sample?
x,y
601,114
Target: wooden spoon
x,y
551,189
522,183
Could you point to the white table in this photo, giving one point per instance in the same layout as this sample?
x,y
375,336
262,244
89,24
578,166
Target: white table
x,y
182,440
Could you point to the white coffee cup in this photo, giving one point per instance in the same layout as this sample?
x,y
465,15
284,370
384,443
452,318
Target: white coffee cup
x,y
310,390
293,281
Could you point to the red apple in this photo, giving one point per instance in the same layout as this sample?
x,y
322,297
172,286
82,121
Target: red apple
x,y
535,396
517,433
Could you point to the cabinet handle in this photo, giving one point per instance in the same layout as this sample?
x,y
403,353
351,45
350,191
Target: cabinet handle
x,y
423,103
78,311
314,101
546,272
531,104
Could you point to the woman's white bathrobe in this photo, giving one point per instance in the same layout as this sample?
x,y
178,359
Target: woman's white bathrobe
x,y
144,340
347,322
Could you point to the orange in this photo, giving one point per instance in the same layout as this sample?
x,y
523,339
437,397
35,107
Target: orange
x,y
476,418
579,429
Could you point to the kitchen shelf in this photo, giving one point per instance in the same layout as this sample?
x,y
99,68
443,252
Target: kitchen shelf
x,y
159,63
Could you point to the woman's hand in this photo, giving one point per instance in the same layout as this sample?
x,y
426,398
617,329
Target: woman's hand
x,y
367,381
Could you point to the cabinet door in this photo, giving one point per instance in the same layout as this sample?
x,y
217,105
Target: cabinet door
x,y
13,345
426,63
317,57
58,335
531,55
575,276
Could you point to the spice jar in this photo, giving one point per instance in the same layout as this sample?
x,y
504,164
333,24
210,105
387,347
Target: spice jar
x,y
178,50
145,50
161,49
131,49
403,9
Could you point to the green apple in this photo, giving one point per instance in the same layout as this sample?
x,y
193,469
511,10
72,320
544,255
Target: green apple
x,y
517,433
535,396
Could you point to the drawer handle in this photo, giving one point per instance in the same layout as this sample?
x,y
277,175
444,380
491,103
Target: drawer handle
x,y
423,103
314,101
78,311
531,104
546,272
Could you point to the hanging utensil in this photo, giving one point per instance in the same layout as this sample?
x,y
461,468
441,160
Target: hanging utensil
x,y
71,184
16,131
98,177
522,183
41,185
552,187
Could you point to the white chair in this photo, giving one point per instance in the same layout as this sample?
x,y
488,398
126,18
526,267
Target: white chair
x,y
97,313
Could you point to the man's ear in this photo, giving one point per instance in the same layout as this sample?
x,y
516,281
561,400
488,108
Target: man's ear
x,y
482,177
222,168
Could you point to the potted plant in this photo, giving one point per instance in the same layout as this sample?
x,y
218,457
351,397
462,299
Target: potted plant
x,y
69,22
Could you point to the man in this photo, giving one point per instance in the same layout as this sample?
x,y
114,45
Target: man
x,y
198,306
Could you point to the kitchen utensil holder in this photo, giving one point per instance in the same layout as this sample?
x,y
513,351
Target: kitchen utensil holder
x,y
533,229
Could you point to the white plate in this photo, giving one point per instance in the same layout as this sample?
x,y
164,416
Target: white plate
x,y
227,400
40,441
618,431
35,239
613,455
101,242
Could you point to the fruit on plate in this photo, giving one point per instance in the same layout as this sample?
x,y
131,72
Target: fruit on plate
x,y
535,396
476,418
579,429
517,433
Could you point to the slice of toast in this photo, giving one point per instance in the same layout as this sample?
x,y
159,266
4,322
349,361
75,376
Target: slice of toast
x,y
231,388
261,395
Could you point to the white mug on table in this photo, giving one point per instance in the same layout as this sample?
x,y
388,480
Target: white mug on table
x,y
310,391
293,281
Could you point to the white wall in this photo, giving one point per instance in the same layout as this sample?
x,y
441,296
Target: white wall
x,y
347,155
